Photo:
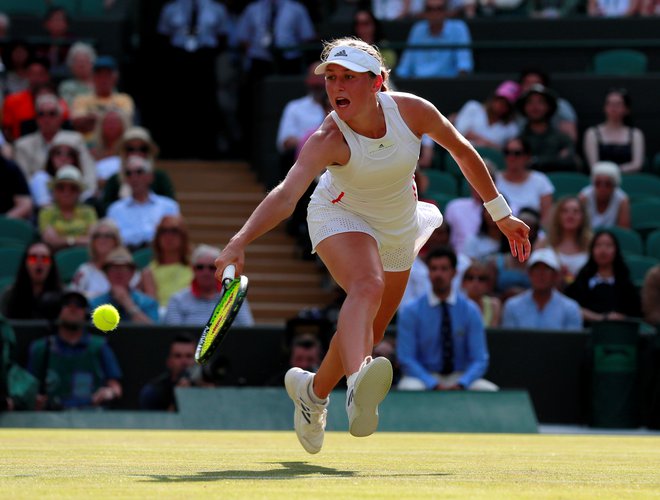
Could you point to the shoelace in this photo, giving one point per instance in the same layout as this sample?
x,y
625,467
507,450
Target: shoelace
x,y
312,416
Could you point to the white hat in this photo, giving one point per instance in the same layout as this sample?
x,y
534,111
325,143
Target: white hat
x,y
350,58
70,174
608,169
545,256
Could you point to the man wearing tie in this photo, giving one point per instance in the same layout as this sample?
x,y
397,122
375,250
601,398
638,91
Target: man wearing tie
x,y
441,344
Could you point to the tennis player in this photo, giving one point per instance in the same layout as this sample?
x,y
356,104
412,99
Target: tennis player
x,y
365,223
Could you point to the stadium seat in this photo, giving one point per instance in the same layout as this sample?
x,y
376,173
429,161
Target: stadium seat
x,y
640,186
10,261
567,183
9,242
639,266
441,182
441,199
68,260
142,257
494,155
5,282
17,229
629,240
645,215
653,244
620,62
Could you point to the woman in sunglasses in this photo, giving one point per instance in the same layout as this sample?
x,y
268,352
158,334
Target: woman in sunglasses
x,y
37,285
478,282
522,186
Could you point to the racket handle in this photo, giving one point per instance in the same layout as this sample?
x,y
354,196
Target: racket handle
x,y
228,275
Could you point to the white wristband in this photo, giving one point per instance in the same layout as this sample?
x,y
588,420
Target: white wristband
x,y
498,208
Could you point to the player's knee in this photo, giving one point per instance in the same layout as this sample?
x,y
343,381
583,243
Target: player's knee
x,y
370,289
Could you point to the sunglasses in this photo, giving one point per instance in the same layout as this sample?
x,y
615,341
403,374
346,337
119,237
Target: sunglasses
x,y
35,259
604,183
50,114
201,267
96,236
514,152
66,186
135,171
63,152
169,230
137,149
475,277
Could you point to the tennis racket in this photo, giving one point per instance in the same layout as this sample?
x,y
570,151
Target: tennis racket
x,y
234,291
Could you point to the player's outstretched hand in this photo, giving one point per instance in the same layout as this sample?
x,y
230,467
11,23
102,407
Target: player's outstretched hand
x,y
231,254
517,232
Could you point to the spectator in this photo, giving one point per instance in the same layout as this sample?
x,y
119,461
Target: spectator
x,y
37,282
650,8
18,387
87,109
491,123
56,27
441,344
478,285
32,150
617,8
551,9
306,352
17,62
67,222
437,30
569,234
106,144
80,61
564,118
158,394
89,278
63,151
194,305
169,271
18,111
133,306
542,307
80,369
603,287
607,204
138,215
389,10
651,296
551,149
486,242
15,200
521,186
136,141
615,139
367,27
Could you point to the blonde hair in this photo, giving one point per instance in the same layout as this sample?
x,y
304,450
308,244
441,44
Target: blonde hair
x,y
110,226
555,231
358,43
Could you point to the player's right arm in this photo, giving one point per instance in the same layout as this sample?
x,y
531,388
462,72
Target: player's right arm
x,y
325,147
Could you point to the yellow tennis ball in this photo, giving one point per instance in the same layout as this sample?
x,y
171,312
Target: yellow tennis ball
x,y
105,317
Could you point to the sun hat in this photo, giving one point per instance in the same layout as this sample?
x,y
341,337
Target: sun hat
x,y
120,256
545,256
350,58
70,174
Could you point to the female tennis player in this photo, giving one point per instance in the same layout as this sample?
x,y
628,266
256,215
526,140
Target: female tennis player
x,y
365,223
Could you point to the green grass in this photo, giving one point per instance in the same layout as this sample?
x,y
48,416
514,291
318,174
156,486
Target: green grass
x,y
214,464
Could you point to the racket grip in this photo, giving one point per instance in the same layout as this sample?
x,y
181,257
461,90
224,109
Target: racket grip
x,y
228,274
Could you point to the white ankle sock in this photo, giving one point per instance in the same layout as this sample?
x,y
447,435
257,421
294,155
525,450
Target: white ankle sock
x,y
315,399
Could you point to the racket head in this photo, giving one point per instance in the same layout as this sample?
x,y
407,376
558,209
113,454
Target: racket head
x,y
222,317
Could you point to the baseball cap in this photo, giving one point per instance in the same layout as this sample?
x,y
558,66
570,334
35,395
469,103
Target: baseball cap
x,y
105,62
545,256
509,90
350,58
120,256
74,296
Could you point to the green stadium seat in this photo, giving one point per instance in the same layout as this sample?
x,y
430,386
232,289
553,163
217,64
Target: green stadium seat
x,y
639,186
441,199
655,165
653,244
441,182
567,183
5,282
620,62
68,260
494,155
17,229
629,240
639,266
12,243
142,257
10,261
645,215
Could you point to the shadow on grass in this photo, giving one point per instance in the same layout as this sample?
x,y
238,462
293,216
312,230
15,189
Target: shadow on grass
x,y
289,470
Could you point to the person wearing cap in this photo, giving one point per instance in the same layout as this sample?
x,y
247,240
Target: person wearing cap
x,y
80,369
32,150
436,30
133,306
608,205
542,307
138,215
365,223
86,109
193,305
66,222
551,149
492,123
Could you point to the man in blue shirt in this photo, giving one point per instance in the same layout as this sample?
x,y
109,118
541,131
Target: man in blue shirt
x,y
441,344
440,31
542,307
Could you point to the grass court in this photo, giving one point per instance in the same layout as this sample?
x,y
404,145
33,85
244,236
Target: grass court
x,y
39,463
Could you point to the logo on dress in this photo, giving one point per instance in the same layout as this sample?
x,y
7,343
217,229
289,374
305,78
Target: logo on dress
x,y
380,146
341,53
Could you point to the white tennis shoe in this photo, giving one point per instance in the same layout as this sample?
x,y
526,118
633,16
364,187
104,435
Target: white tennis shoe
x,y
309,417
366,389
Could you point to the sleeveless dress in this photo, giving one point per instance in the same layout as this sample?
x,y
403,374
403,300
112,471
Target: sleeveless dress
x,y
617,153
375,193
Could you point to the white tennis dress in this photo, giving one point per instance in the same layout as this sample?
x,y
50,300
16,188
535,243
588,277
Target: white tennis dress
x,y
375,192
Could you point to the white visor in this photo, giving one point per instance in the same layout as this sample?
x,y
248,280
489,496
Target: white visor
x,y
350,58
